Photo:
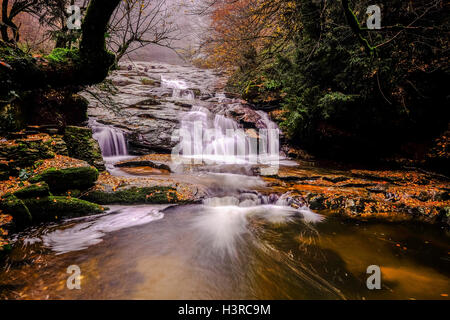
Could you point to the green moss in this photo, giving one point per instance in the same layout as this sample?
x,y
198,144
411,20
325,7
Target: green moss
x,y
15,207
81,178
197,92
11,117
81,145
73,193
36,190
52,208
19,66
157,195
63,55
148,82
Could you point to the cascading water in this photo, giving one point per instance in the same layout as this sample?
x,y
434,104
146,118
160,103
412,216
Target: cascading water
x,y
218,139
215,138
244,241
111,140
179,87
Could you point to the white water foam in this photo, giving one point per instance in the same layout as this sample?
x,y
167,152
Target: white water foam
x,y
223,222
89,233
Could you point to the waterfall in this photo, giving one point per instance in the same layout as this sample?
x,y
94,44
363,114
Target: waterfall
x,y
111,140
272,144
216,138
179,87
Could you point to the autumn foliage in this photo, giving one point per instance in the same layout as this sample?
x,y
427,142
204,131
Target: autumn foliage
x,y
337,98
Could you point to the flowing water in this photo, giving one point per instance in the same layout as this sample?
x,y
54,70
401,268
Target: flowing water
x,y
236,244
112,141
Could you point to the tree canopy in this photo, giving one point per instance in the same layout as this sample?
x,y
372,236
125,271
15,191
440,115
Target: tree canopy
x,y
341,85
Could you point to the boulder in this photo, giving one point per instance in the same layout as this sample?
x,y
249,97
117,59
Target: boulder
x,y
144,163
38,190
317,203
157,195
80,178
25,151
81,145
15,207
52,208
245,115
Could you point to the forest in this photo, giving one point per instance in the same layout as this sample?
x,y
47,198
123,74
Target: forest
x,y
342,90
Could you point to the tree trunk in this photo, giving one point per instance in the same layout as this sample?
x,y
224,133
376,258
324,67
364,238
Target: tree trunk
x,y
3,24
92,66
355,26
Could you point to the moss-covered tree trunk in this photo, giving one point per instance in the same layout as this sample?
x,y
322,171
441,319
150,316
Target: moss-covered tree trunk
x,y
90,66
355,26
42,92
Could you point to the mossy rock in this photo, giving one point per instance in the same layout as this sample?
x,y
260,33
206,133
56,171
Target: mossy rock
x,y
15,207
8,169
149,82
57,145
73,193
5,250
55,207
445,215
19,66
147,102
81,145
144,163
153,195
11,118
61,180
39,190
25,153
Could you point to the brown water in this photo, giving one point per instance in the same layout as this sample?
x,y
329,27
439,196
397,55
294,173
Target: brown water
x,y
225,252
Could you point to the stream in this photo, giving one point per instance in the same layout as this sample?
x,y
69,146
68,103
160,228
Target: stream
x,y
239,243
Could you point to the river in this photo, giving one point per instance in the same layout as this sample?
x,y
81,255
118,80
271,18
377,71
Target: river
x,y
239,243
